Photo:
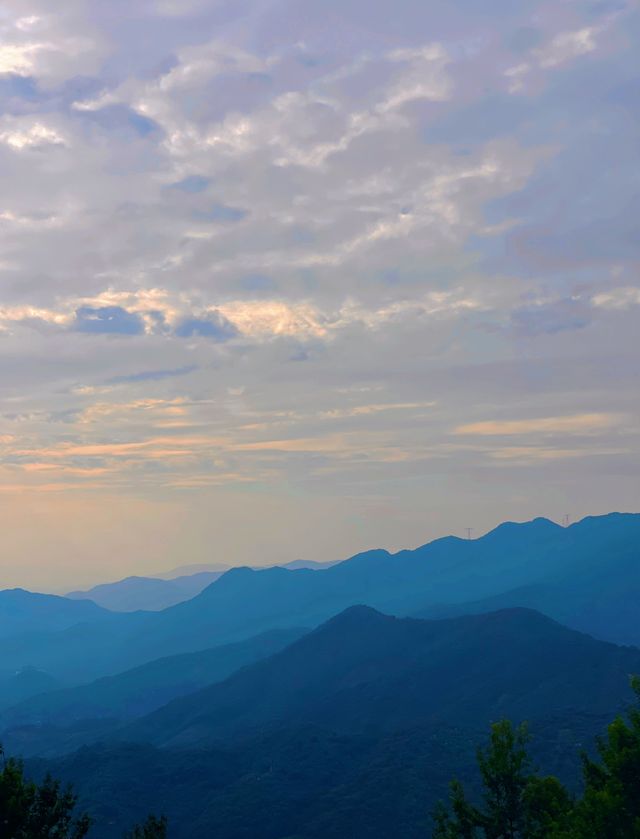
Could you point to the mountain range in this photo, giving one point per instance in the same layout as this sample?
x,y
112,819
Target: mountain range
x,y
363,671
24,611
586,576
355,727
142,689
156,593
228,715
147,593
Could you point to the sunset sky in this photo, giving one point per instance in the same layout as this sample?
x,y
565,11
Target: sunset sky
x,y
291,279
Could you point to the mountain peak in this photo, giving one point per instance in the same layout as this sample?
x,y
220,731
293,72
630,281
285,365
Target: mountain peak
x,y
539,526
358,613
367,556
608,518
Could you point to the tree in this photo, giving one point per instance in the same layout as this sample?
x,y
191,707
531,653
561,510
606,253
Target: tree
x,y
152,828
610,805
31,811
46,811
518,804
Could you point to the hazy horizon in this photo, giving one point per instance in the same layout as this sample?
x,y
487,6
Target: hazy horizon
x,y
286,280
193,568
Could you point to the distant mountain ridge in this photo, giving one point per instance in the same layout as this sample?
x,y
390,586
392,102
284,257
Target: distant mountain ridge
x,y
20,685
597,593
143,689
26,611
156,593
592,568
147,593
187,570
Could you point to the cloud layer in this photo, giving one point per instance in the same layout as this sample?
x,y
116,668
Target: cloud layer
x,y
270,264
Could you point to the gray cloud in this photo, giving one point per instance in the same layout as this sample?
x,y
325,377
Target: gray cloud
x,y
549,318
268,256
152,375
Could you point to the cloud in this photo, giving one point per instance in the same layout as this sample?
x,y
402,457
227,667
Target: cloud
x,y
192,183
157,313
152,375
617,298
532,455
561,48
575,424
20,136
567,45
20,58
119,118
220,212
214,325
108,320
52,48
435,211
258,282
549,318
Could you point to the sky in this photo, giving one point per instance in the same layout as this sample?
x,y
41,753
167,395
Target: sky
x,y
284,279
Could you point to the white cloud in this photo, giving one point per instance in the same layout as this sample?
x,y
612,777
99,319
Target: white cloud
x,y
50,47
575,424
362,243
21,58
567,45
617,298
103,100
21,134
561,48
261,319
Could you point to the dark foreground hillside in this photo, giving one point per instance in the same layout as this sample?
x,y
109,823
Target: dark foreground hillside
x,y
354,730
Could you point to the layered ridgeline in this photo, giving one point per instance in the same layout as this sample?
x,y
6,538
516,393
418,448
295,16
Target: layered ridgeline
x,y
586,575
140,690
147,593
155,593
363,670
354,729
24,611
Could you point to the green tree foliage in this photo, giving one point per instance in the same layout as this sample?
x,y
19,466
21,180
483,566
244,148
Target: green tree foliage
x,y
610,805
46,811
31,811
152,828
519,804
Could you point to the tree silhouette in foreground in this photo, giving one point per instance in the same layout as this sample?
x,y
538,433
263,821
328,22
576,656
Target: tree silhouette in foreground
x,y
32,811
610,805
153,828
46,811
520,804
